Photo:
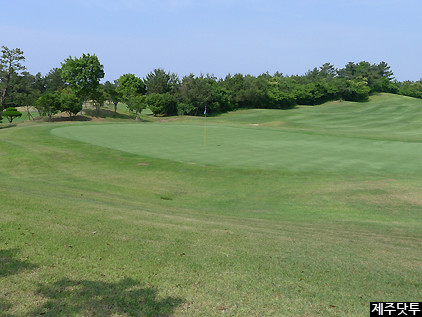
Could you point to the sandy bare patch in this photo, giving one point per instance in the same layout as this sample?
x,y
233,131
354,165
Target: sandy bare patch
x,y
412,198
385,185
142,164
381,192
171,119
275,123
97,119
254,124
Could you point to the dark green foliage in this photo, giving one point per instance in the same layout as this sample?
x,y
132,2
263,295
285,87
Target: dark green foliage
x,y
129,87
280,93
129,84
137,104
69,102
160,82
83,75
196,92
411,89
378,76
245,91
60,101
184,108
10,65
53,81
167,95
327,71
305,94
25,89
201,91
112,94
48,105
98,98
162,104
11,113
356,89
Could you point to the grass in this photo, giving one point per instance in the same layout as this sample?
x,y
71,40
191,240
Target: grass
x,y
314,211
245,147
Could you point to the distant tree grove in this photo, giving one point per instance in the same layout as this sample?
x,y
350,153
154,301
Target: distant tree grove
x,y
66,88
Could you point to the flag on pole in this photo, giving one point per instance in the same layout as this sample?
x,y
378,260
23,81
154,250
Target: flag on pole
x,y
205,126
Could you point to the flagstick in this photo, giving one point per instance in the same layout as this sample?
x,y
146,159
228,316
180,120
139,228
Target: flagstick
x,y
205,130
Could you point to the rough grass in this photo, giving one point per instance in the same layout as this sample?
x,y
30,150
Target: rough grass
x,y
105,229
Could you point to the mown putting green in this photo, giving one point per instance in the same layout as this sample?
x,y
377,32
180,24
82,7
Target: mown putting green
x,y
314,211
253,147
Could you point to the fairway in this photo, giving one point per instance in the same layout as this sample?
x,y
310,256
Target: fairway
x,y
313,211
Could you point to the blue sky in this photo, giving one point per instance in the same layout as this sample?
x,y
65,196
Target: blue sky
x,y
216,36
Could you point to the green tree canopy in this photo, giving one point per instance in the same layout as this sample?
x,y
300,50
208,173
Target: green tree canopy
x,y
130,86
162,104
138,103
356,89
83,75
53,81
112,94
160,82
11,113
98,98
25,89
411,89
48,104
198,92
69,102
10,65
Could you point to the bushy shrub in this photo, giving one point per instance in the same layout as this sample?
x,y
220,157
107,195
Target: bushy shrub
x,y
11,113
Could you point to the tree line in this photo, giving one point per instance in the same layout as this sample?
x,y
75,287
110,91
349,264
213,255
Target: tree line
x,y
66,88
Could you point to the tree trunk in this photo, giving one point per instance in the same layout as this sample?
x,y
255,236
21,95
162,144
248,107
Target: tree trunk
x,y
29,113
3,98
6,87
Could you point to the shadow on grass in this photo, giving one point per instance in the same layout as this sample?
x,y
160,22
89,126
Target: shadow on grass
x,y
62,118
4,307
96,298
10,266
67,118
7,125
105,113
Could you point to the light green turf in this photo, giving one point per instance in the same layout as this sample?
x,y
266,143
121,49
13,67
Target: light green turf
x,y
88,230
366,141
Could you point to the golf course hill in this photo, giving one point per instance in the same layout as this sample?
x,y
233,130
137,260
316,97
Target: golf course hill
x,y
338,137
311,211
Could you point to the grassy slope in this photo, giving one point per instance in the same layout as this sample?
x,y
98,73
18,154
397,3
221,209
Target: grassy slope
x,y
207,238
